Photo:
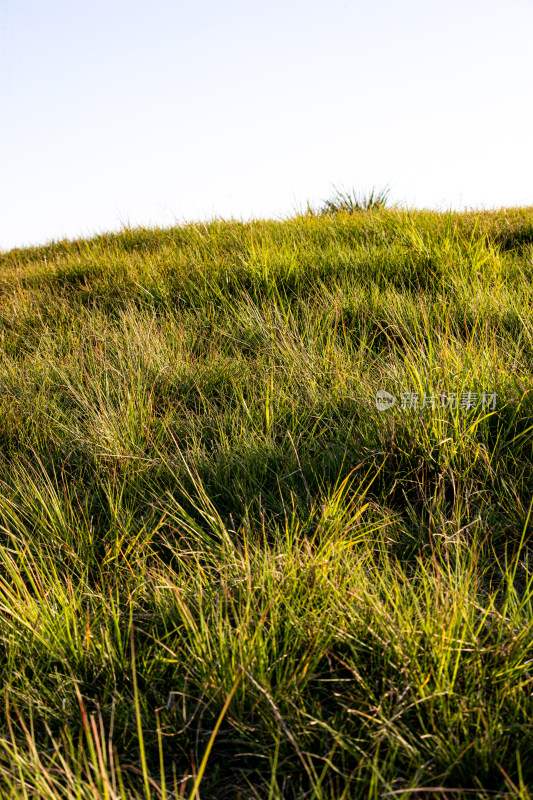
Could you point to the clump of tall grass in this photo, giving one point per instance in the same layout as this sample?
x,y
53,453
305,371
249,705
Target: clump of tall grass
x,y
351,202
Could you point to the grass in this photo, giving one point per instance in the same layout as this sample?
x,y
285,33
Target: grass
x,y
345,200
224,572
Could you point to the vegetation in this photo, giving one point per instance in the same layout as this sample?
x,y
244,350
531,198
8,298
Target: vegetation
x,y
225,573
352,202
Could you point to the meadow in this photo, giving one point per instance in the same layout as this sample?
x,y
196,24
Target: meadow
x,y
224,571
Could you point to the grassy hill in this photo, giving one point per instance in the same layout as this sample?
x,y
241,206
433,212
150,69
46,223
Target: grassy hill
x,y
224,571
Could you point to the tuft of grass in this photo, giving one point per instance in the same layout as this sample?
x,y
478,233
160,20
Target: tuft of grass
x,y
350,201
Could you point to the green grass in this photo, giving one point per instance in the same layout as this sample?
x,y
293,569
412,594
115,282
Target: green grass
x,y
224,573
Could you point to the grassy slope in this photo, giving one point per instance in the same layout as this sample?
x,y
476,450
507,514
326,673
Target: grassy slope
x,y
204,517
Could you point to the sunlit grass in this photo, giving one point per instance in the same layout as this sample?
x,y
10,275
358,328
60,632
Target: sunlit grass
x,y
223,571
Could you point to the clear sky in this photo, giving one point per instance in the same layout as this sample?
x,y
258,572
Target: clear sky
x,y
120,112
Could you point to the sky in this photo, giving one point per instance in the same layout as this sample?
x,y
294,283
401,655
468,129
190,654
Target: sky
x,y
116,113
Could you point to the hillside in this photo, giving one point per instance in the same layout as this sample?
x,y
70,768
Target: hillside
x,y
224,571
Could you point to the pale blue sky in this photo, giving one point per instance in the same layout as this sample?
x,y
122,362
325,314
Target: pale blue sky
x,y
116,112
